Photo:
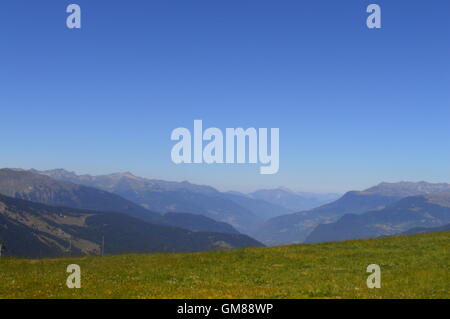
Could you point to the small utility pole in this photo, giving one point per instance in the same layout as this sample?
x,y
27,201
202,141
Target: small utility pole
x,y
103,245
2,247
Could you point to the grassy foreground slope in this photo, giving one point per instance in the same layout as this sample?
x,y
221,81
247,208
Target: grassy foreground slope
x,y
412,267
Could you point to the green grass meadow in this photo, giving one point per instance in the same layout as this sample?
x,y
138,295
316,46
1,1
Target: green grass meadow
x,y
411,267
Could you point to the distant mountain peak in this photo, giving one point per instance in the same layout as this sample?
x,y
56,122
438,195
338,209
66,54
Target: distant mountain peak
x,y
124,175
405,188
60,172
285,189
128,174
408,183
14,169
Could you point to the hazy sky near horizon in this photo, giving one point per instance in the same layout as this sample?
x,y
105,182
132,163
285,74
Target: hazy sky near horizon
x,y
354,106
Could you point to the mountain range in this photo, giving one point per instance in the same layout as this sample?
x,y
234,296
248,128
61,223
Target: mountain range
x,y
40,188
296,227
194,213
29,229
43,189
431,210
239,210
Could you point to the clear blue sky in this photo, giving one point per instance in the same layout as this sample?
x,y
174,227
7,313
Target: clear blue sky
x,y
354,106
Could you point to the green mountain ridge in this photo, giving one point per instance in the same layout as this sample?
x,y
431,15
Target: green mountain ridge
x,y
30,229
43,189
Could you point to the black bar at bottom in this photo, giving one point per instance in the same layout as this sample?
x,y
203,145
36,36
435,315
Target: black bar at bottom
x,y
245,308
